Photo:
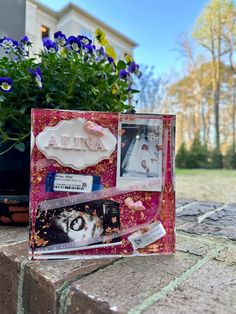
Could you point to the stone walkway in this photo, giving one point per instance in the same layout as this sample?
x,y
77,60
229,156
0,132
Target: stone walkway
x,y
199,278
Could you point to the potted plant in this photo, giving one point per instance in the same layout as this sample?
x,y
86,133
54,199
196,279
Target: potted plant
x,y
68,73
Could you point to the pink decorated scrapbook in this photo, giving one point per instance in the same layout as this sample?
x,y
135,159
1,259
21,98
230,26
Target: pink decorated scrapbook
x,y
102,184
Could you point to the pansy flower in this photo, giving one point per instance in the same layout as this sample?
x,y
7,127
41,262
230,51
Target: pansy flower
x,y
9,44
37,73
25,41
60,38
133,67
115,89
122,74
74,43
50,45
128,58
6,84
85,40
111,52
110,60
101,52
89,48
100,36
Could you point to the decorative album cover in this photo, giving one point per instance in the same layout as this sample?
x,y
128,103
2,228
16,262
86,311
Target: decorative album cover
x,y
101,184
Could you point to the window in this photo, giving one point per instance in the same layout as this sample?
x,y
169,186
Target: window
x,y
44,31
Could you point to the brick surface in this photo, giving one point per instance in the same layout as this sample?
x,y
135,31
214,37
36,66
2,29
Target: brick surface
x,y
130,280
212,289
40,280
194,245
44,280
12,234
11,258
194,280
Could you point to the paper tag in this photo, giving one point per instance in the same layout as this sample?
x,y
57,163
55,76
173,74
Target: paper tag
x,y
65,182
141,239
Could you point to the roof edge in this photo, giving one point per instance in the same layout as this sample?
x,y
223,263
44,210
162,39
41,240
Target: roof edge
x,y
72,6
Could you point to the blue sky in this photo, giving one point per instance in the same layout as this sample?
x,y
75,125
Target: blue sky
x,y
155,25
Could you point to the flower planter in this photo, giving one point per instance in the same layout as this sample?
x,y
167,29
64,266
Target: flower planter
x,y
14,185
71,73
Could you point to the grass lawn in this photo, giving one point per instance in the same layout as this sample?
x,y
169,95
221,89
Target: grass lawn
x,y
206,184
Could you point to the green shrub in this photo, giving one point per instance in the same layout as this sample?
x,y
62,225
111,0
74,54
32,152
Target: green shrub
x,y
182,157
216,159
230,158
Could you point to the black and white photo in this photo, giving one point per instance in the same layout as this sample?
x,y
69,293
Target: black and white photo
x,y
140,151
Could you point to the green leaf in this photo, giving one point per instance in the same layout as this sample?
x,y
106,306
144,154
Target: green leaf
x,y
135,91
121,65
20,146
2,98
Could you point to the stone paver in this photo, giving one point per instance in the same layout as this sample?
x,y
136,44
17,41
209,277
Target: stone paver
x,y
183,202
220,220
192,212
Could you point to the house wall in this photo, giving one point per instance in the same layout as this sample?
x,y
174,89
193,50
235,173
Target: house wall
x,y
71,21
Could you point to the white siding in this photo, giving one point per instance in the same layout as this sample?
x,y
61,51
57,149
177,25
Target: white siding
x,y
72,22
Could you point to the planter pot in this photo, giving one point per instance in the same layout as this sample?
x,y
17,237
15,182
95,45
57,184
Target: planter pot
x,y
14,185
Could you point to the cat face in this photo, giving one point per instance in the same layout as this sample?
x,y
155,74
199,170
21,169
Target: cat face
x,y
79,226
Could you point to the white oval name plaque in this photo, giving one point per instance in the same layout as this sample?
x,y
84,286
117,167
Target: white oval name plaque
x,y
72,145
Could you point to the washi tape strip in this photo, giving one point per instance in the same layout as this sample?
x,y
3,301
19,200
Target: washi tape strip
x,y
92,196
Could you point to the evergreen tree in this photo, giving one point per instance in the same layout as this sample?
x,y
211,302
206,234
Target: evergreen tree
x,y
182,157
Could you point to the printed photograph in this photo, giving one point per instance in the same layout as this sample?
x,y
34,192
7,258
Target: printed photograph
x,y
140,150
83,223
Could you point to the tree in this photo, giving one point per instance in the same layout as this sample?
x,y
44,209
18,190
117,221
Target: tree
x,y
208,32
152,91
192,97
230,158
229,36
182,157
198,154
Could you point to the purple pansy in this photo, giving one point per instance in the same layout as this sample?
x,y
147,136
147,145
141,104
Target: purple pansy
x,y
85,40
123,74
89,48
9,44
60,38
50,45
75,43
133,67
101,52
6,84
110,60
37,73
25,41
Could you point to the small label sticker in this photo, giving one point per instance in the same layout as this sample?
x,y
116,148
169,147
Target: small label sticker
x,y
143,238
65,182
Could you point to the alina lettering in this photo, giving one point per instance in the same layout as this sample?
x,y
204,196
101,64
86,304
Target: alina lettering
x,y
76,143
